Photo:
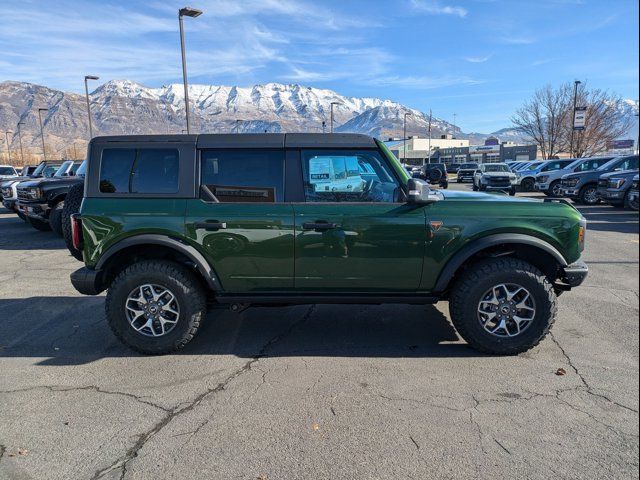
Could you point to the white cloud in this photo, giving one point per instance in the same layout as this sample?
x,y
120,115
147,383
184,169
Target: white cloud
x,y
422,82
481,59
435,8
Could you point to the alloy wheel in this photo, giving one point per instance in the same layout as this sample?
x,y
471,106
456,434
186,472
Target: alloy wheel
x,y
506,310
152,310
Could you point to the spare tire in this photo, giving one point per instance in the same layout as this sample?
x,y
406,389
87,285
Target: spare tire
x,y
435,175
71,205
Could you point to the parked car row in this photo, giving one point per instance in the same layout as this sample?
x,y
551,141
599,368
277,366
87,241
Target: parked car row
x,y
39,196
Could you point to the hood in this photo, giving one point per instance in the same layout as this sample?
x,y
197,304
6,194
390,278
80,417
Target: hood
x,y
484,197
584,174
620,174
46,182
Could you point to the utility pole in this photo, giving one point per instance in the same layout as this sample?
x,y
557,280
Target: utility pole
x,y
44,152
404,138
332,104
20,141
573,118
429,136
193,13
454,125
86,92
6,136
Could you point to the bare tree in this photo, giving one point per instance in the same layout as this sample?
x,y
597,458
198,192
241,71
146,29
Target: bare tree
x,y
544,118
605,122
548,119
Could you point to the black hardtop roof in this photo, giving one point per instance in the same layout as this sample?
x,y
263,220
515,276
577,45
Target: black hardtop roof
x,y
252,140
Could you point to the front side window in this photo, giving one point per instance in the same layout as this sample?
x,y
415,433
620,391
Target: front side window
x,y
7,171
142,170
244,175
347,176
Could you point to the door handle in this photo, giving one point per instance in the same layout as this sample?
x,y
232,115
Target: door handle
x,y
318,226
210,225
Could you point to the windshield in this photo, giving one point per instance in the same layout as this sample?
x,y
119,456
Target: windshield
x,y
38,171
496,168
469,166
534,165
63,169
82,169
7,171
609,165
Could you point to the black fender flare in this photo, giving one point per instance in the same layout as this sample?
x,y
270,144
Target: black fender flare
x,y
483,243
176,244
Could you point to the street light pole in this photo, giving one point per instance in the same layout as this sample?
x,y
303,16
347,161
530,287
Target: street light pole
x,y
429,137
6,136
20,142
404,138
454,125
193,13
44,152
332,104
86,92
324,126
573,118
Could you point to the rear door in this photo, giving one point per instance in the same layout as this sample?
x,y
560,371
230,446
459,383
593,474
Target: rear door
x,y
353,231
241,221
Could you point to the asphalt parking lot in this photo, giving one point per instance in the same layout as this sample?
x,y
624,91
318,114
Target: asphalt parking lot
x,y
380,392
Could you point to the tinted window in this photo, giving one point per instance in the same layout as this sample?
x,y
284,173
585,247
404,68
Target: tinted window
x,y
64,169
7,171
629,163
244,175
115,169
156,170
347,176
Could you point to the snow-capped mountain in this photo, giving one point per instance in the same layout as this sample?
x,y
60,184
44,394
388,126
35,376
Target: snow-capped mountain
x,y
126,107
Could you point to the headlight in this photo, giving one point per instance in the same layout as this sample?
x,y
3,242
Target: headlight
x,y
616,183
542,179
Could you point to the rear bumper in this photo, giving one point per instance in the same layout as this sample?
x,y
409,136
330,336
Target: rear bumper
x,y
575,274
87,281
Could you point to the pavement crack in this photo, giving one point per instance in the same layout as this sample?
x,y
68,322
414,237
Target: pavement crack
x,y
2,450
414,442
132,452
502,446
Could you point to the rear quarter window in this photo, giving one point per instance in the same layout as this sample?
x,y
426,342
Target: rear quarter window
x,y
142,170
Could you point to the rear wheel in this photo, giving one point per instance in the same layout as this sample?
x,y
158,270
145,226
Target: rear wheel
x,y
588,195
155,306
55,218
71,205
40,225
503,306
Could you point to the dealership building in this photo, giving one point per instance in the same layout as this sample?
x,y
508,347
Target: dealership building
x,y
450,150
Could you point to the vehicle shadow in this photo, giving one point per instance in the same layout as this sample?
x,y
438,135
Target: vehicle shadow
x,y
15,234
73,331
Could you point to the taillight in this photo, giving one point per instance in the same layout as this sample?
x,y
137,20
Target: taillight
x,y
581,234
76,231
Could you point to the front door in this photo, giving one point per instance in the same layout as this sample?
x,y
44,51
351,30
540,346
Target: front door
x,y
241,222
352,233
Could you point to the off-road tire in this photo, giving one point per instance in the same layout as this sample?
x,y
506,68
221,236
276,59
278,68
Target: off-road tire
x,y
72,204
40,225
474,282
183,284
55,217
583,192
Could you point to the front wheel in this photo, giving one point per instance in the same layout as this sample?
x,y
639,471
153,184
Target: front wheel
x,y
55,218
528,184
41,225
155,306
588,195
631,204
555,189
503,306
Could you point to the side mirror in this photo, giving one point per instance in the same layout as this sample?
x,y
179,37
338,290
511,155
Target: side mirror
x,y
420,193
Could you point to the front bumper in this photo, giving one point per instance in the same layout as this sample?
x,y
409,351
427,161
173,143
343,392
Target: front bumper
x,y
541,187
609,195
570,191
33,209
575,274
87,281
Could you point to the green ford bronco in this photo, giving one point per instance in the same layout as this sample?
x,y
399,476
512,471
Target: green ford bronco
x,y
170,225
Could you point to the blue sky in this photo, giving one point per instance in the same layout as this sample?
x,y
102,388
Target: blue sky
x,y
479,59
